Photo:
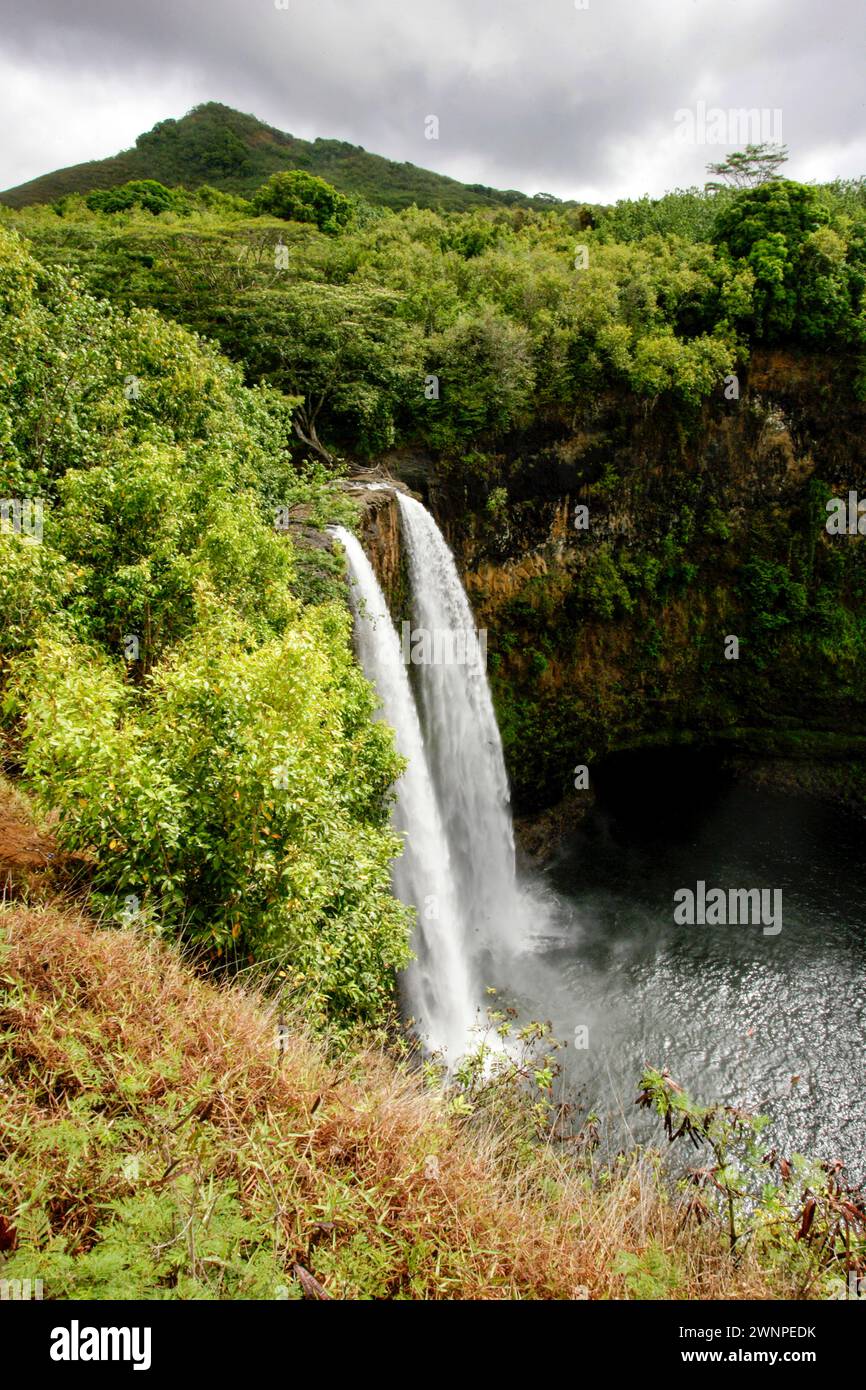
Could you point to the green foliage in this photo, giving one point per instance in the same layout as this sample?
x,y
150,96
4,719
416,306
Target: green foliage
x,y
484,366
775,598
779,208
34,581
218,201
193,1241
689,213
809,277
297,196
491,304
795,1212
509,1072
652,1275
343,350
148,195
602,587
204,733
751,167
240,797
692,369
143,193
203,144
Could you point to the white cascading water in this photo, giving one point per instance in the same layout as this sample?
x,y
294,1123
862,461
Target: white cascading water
x,y
439,989
464,747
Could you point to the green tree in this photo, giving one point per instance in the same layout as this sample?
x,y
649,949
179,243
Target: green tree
x,y
301,197
226,775
483,363
749,168
767,227
342,351
143,193
240,800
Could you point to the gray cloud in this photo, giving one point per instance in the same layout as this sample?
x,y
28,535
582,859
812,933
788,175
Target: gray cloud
x,y
529,93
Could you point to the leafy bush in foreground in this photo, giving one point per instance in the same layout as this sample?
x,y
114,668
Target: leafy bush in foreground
x,y
205,735
240,796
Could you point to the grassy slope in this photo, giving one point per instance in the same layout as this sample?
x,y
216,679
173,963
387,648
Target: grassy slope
x,y
214,144
156,1143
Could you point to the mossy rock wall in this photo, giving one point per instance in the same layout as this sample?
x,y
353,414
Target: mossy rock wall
x,y
700,529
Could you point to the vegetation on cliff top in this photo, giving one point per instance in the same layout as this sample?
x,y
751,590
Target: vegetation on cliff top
x,y
455,331
523,354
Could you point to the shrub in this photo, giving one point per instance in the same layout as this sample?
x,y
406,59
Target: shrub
x,y
301,197
795,1212
220,771
143,193
239,799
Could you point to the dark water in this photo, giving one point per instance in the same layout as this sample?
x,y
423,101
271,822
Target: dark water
x,y
733,1013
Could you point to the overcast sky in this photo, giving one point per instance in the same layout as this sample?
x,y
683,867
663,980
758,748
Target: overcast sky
x,y
529,94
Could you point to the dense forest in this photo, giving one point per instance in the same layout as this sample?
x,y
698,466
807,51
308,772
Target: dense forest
x,y
509,363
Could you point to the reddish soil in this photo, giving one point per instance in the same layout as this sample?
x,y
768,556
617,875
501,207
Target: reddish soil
x,y
30,858
23,847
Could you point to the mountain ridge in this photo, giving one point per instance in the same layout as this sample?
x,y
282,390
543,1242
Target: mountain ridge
x,y
236,152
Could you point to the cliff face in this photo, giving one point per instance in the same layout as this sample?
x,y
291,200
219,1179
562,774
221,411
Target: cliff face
x,y
610,627
379,530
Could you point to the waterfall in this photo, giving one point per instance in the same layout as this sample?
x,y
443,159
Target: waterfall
x,y
438,986
462,739
452,809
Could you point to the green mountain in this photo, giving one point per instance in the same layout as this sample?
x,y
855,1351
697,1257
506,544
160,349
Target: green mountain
x,y
215,145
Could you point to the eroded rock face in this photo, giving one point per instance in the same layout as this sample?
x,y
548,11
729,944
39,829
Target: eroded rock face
x,y
613,635
379,530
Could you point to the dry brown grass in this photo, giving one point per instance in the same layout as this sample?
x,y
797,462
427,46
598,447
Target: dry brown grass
x,y
114,1047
